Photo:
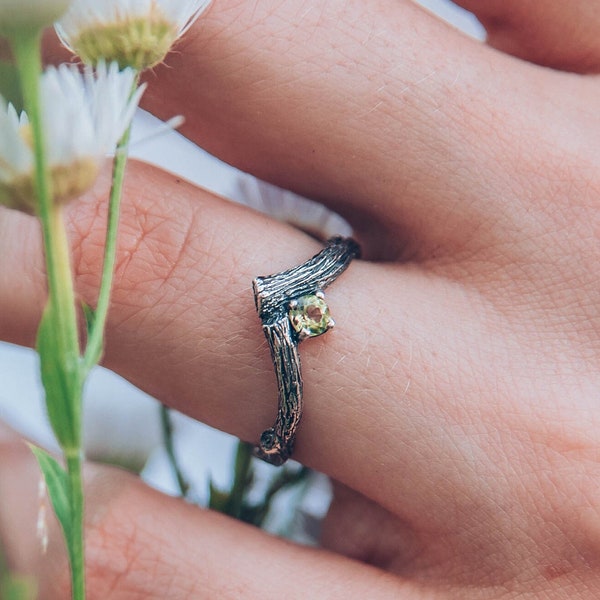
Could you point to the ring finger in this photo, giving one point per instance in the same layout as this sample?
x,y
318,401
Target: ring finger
x,y
184,328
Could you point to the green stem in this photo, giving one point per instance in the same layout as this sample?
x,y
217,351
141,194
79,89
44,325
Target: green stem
x,y
95,342
26,48
76,543
93,351
242,476
167,430
60,282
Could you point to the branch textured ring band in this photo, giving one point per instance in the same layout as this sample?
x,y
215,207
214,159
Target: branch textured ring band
x,y
292,307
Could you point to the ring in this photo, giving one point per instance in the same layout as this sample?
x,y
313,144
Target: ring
x,y
291,306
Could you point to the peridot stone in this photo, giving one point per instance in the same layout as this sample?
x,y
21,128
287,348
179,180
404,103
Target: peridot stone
x,y
310,316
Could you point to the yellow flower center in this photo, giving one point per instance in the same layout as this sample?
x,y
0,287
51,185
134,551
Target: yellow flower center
x,y
71,181
140,42
67,182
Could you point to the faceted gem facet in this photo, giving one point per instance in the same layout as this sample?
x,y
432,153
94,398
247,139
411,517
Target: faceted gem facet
x,y
310,315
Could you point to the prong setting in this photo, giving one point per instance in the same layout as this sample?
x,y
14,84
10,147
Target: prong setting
x,y
309,315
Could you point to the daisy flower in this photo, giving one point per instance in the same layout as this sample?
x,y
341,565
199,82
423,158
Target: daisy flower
x,y
19,15
84,116
134,33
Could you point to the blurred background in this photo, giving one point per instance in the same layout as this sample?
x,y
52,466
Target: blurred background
x,y
122,423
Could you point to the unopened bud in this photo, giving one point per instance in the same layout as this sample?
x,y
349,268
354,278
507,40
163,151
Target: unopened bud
x,y
29,15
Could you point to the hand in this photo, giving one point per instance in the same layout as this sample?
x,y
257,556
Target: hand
x,y
456,403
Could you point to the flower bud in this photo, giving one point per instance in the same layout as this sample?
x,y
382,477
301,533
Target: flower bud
x,y
29,15
135,34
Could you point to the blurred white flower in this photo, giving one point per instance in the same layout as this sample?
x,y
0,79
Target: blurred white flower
x,y
84,115
19,15
135,33
312,217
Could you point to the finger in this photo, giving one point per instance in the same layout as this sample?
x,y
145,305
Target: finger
x,y
19,502
142,544
564,35
184,328
183,301
374,107
361,529
393,395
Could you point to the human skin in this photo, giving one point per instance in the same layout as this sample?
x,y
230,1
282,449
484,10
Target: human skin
x,y
456,402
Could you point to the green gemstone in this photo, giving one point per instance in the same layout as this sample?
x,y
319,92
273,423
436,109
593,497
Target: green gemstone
x,y
310,316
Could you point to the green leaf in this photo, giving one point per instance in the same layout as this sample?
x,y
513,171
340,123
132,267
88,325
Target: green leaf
x,y
255,514
15,587
90,322
57,484
10,88
284,479
62,379
90,316
217,499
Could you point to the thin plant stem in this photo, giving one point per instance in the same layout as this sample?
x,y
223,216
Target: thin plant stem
x,y
76,545
93,351
56,249
167,431
26,47
242,475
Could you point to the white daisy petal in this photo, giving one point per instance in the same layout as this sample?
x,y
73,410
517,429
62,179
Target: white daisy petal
x,y
86,114
15,156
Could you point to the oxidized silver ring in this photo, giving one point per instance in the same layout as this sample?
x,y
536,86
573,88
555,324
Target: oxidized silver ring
x,y
292,307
